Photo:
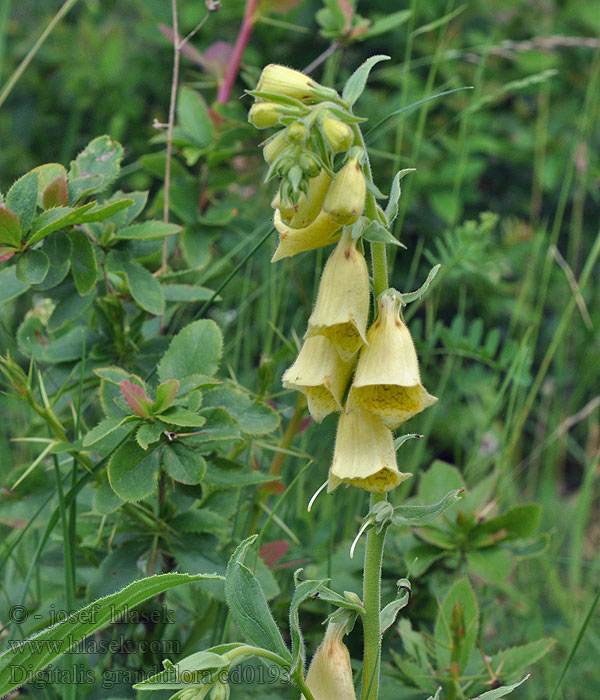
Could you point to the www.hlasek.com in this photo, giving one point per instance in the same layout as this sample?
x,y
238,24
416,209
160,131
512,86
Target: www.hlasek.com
x,y
117,645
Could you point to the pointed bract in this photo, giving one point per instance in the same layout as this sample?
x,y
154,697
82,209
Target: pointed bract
x,y
341,311
364,454
297,240
387,381
330,673
321,375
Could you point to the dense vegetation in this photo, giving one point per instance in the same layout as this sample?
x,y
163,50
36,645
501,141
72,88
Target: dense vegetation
x,y
505,198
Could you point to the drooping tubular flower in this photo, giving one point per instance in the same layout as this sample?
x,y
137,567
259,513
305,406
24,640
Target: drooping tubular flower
x,y
309,205
387,381
342,307
321,375
330,673
345,198
319,233
364,454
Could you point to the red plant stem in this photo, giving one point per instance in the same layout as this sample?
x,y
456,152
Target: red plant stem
x,y
238,51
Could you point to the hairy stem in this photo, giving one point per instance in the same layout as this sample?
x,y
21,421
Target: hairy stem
x,y
372,602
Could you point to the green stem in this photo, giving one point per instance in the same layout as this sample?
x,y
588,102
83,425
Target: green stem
x,y
372,602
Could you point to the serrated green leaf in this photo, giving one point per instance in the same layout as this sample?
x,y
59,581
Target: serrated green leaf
x,y
104,428
457,626
193,117
68,309
32,266
84,265
133,472
194,350
227,479
248,604
53,642
176,415
56,193
21,199
124,217
114,375
47,173
102,212
183,463
149,433
253,418
353,89
106,500
513,661
165,395
10,228
56,219
143,286
100,159
147,230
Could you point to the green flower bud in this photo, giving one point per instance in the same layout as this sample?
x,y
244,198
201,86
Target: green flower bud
x,y
337,134
263,115
309,164
296,132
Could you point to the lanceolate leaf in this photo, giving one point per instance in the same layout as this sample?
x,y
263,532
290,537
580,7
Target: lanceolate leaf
x,y
417,516
248,604
357,81
55,219
35,653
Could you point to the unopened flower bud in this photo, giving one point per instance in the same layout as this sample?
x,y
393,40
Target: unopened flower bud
x,y
330,673
321,375
321,232
387,381
275,147
310,164
364,454
296,132
342,308
337,134
308,206
263,115
286,81
345,200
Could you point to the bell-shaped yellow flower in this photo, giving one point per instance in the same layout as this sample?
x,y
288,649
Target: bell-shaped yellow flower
x,y
309,205
330,673
364,454
321,375
321,232
387,381
345,200
342,308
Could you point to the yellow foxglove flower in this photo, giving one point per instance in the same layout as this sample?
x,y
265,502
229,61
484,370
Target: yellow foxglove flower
x,y
263,115
287,81
330,673
345,199
321,375
308,206
337,134
342,307
387,381
319,233
364,454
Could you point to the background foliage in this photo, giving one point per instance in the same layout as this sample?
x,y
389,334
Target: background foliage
x,y
505,196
